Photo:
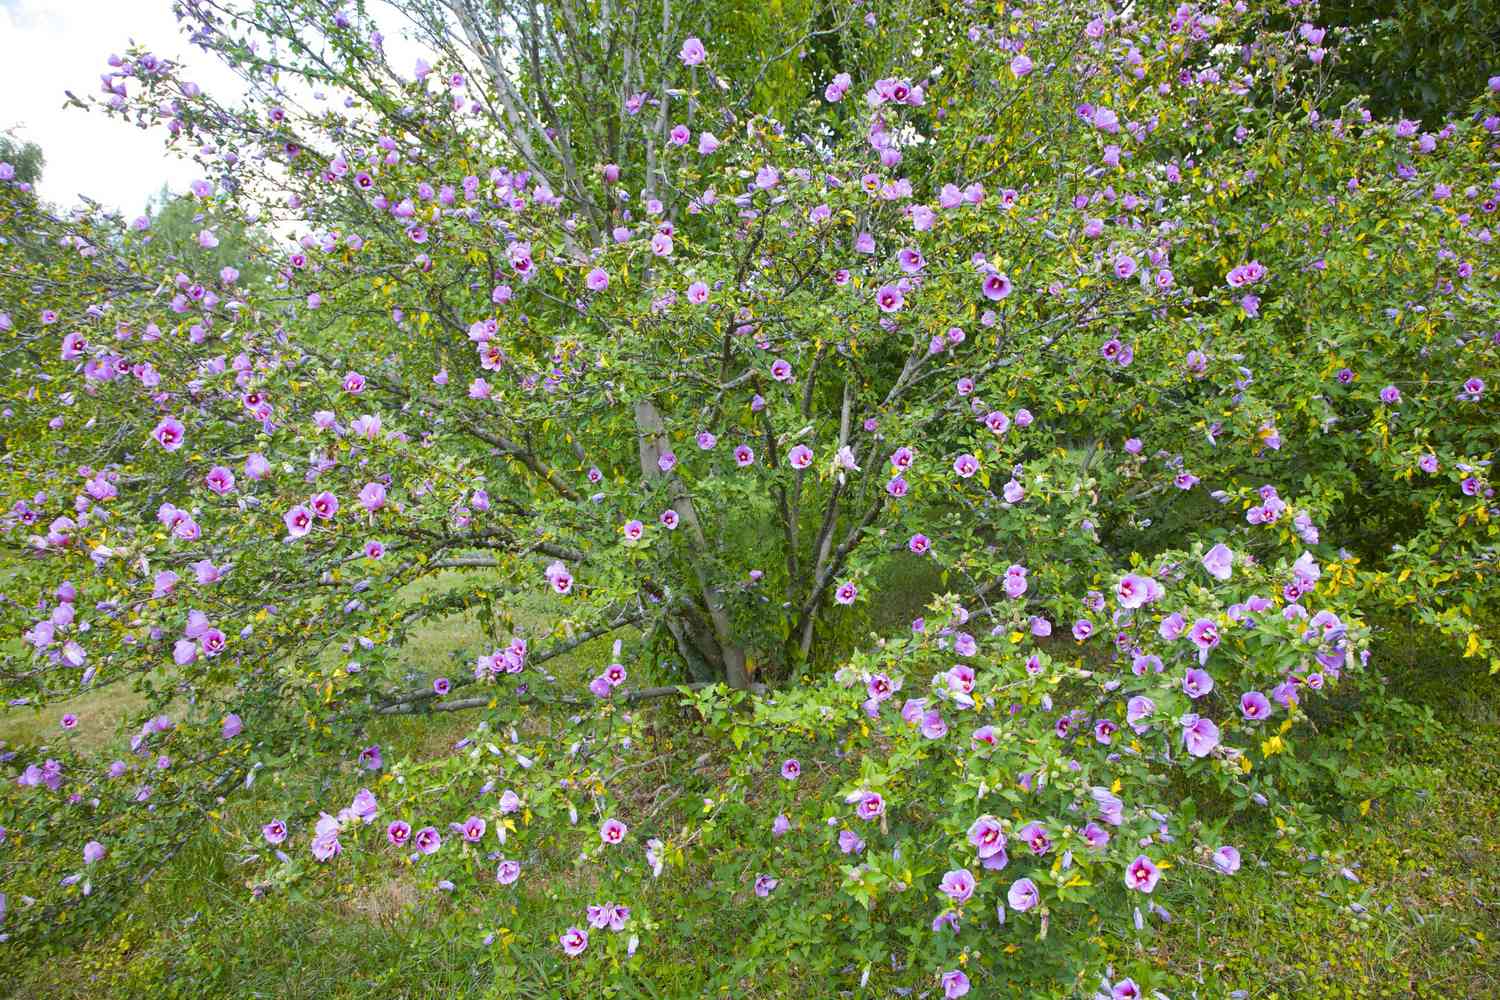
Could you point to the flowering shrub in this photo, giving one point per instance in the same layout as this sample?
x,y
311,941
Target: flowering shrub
x,y
1145,365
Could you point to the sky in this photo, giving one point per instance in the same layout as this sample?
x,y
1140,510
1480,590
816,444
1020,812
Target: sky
x,y
49,46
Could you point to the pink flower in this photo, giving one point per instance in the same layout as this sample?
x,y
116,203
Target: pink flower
x,y
889,298
220,480
299,521
597,280
846,593
1142,874
574,940
800,456
372,496
965,465
169,433
398,833
612,832
558,576
996,286
325,505
1134,590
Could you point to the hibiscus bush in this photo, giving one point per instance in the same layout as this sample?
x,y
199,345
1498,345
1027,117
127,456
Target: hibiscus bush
x,y
1152,384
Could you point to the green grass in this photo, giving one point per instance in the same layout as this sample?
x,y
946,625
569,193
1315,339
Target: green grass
x,y
1423,921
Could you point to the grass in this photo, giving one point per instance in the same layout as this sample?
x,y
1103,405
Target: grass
x,y
1420,922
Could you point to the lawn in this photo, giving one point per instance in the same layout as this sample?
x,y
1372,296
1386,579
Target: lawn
x,y
1415,917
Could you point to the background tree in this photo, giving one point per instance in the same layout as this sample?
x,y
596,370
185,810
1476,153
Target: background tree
x,y
26,157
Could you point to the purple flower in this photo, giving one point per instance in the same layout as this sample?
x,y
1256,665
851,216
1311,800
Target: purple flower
x,y
987,837
957,885
765,885
868,806
1205,635
1035,837
1094,835
1196,683
1023,895
1138,709
791,769
850,842
692,54
1219,561
1227,860
955,983
1254,706
1199,735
